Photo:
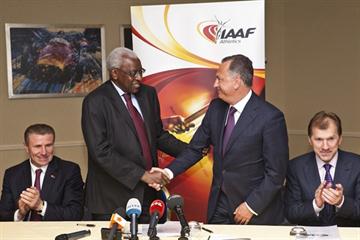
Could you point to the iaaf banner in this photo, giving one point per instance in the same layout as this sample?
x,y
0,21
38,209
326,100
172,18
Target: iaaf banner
x,y
180,47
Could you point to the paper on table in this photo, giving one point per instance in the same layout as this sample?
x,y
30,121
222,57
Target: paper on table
x,y
323,233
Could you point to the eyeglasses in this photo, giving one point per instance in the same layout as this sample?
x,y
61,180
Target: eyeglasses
x,y
134,73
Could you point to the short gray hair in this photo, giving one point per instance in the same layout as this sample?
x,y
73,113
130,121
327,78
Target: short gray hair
x,y
115,58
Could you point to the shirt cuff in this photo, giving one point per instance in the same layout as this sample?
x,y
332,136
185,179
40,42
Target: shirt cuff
x,y
252,211
342,202
43,211
316,208
169,173
17,217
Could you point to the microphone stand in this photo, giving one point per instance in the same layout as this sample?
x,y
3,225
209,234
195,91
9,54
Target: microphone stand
x,y
153,235
184,233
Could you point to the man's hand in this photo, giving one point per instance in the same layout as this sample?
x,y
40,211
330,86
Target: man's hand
x,y
156,178
333,196
31,197
242,214
319,201
23,209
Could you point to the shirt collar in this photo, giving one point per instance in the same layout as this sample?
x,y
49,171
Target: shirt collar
x,y
240,105
320,163
34,168
119,90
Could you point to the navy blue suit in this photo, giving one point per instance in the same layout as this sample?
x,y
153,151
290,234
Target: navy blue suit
x,y
303,179
62,189
253,167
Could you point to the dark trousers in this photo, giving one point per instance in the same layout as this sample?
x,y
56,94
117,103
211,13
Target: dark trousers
x,y
222,214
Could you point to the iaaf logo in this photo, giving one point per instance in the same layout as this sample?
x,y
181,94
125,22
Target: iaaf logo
x,y
217,32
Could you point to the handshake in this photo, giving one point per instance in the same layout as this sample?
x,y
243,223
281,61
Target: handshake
x,y
157,177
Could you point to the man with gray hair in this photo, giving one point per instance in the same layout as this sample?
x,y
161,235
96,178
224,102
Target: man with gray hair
x,y
122,129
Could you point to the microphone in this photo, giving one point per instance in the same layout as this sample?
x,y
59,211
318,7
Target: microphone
x,y
116,222
133,210
156,211
175,202
74,235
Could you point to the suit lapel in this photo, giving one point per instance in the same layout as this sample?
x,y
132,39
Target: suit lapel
x,y
311,173
246,118
26,172
145,110
342,169
119,105
49,178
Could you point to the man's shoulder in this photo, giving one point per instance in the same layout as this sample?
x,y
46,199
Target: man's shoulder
x,y
349,156
65,163
102,90
17,167
302,159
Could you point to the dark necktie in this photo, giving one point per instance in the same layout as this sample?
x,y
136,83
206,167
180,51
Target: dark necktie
x,y
140,129
328,213
34,215
229,127
328,177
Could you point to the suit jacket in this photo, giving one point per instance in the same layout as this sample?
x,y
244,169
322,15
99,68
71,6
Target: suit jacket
x,y
62,189
115,160
303,179
253,167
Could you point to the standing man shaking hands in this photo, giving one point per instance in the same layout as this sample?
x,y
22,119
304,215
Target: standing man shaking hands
x,y
122,129
250,145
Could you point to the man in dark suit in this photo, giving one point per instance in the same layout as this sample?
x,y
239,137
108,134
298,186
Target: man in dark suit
x,y
312,197
250,159
44,187
122,129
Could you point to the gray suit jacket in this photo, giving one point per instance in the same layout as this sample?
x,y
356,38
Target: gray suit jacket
x,y
253,167
303,179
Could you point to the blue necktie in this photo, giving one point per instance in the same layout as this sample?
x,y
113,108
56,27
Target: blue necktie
x,y
229,127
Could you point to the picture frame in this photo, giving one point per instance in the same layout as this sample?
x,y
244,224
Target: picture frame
x,y
54,60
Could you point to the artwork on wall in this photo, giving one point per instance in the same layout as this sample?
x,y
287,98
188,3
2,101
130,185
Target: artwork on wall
x,y
54,61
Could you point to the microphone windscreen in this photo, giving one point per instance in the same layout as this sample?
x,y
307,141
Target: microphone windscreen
x,y
133,206
174,200
157,206
119,220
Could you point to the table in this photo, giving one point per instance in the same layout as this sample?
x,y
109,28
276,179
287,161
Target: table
x,y
49,230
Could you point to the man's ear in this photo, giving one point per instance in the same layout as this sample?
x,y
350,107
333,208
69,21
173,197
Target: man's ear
x,y
113,74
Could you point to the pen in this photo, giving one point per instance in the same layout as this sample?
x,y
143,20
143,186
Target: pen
x,y
85,225
208,230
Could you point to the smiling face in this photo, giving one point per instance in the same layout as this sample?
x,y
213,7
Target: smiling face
x,y
325,142
40,148
129,75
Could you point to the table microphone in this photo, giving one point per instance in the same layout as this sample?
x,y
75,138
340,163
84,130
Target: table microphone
x,y
175,202
74,235
133,210
116,222
157,209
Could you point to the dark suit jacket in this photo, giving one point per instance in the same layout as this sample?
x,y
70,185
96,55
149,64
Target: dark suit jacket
x,y
115,158
62,189
254,166
303,179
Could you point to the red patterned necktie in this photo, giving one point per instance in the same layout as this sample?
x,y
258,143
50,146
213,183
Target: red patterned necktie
x,y
140,129
34,215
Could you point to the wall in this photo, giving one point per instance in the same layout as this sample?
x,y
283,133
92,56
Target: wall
x,y
312,51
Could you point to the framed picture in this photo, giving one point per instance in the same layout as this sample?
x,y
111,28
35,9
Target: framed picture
x,y
54,61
